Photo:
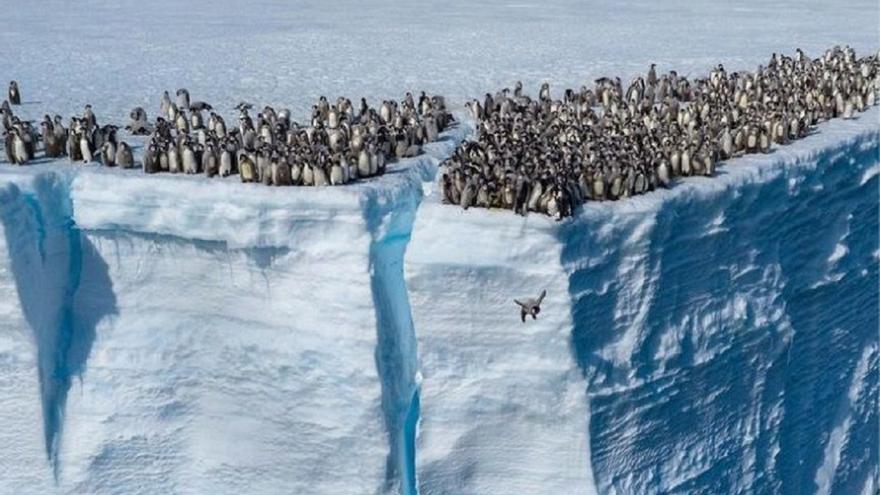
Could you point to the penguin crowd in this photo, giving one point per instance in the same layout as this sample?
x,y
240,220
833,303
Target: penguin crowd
x,y
530,155
340,144
82,141
606,143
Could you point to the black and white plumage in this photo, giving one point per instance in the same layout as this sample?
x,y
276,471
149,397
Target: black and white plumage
x,y
530,306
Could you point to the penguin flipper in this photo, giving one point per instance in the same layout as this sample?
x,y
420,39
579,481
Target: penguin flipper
x,y
522,315
541,297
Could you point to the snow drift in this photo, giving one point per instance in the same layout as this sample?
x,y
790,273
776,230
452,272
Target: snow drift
x,y
171,334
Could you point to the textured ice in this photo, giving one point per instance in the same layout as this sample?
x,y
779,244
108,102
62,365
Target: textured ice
x,y
713,361
174,335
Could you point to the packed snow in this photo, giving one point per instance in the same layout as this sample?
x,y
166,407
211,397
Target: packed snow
x,y
175,335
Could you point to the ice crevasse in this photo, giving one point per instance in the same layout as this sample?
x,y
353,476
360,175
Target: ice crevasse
x,y
177,335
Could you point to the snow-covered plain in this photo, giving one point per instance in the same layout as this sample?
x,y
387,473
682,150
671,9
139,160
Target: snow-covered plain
x,y
173,335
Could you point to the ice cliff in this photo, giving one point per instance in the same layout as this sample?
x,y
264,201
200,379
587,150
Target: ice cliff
x,y
175,335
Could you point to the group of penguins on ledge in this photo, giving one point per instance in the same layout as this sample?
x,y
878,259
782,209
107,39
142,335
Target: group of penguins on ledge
x,y
530,155
341,143
607,143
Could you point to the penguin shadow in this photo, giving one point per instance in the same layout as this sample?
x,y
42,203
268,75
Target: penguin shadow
x,y
399,168
446,136
42,160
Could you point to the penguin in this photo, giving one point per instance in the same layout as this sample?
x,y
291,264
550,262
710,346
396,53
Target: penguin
x,y
51,146
165,104
108,154
14,93
225,168
308,175
89,118
246,169
138,125
198,106
663,173
151,159
188,160
210,163
85,148
9,145
363,164
73,148
296,173
280,173
320,176
19,151
182,99
124,157
336,174
530,307
264,167
174,163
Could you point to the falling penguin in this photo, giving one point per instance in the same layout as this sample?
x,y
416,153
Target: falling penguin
x,y
530,306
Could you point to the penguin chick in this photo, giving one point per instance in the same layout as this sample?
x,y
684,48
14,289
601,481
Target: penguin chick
x,y
530,306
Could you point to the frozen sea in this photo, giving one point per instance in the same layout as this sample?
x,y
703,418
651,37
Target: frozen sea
x,y
177,335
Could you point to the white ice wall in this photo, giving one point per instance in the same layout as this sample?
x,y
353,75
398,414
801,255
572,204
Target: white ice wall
x,y
504,406
177,335
214,337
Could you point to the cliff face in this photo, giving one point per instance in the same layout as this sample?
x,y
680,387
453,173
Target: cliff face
x,y
178,335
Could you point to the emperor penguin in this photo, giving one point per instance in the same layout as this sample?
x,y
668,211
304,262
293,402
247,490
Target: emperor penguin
x,y
296,170
363,164
320,176
225,169
73,147
19,150
308,175
89,118
151,159
138,124
663,173
530,307
188,159
9,145
14,93
246,169
165,105
85,147
51,145
174,165
264,166
108,154
280,173
182,99
198,106
336,174
210,163
652,75
163,164
544,94
124,157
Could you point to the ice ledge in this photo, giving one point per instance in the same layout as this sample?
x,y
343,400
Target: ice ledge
x,y
225,210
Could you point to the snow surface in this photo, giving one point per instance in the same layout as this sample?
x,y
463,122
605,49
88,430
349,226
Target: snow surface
x,y
174,335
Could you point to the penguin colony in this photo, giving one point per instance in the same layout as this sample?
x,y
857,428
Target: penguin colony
x,y
340,145
550,156
541,155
